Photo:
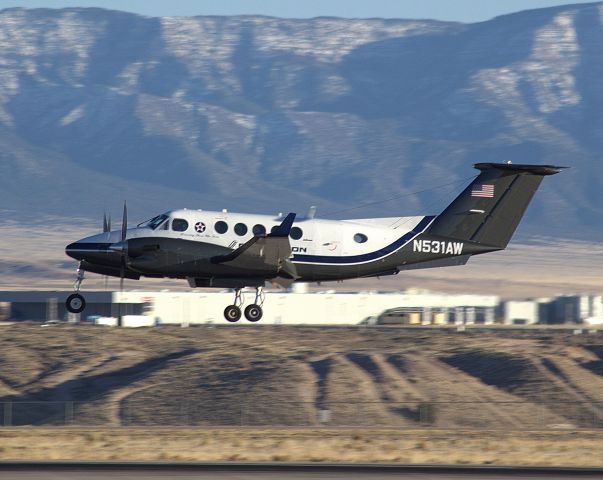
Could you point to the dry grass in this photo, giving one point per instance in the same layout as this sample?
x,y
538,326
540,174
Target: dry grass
x,y
306,445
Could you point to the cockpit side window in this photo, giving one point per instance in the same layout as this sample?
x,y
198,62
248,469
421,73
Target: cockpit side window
x,y
179,225
154,222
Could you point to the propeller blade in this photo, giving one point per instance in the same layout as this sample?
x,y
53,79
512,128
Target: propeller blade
x,y
122,273
109,224
105,225
124,231
124,223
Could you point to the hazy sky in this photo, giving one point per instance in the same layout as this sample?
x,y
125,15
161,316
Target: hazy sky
x,y
457,10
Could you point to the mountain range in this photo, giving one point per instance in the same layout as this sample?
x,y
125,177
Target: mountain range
x,y
361,117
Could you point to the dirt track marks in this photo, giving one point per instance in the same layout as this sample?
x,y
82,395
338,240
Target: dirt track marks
x,y
464,400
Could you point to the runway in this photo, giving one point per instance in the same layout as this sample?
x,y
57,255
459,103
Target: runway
x,y
131,471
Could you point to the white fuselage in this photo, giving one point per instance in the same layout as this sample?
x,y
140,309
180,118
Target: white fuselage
x,y
319,237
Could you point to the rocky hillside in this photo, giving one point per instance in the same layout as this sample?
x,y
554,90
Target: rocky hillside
x,y
250,376
259,113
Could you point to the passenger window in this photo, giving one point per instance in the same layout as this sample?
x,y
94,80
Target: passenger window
x,y
259,230
360,238
296,233
221,227
179,225
240,229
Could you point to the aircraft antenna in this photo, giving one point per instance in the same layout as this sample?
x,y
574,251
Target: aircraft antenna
x,y
401,195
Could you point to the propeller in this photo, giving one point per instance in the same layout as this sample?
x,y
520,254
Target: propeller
x,y
107,230
124,231
124,223
106,223
121,246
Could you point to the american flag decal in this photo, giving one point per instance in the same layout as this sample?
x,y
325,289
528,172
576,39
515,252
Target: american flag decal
x,y
483,191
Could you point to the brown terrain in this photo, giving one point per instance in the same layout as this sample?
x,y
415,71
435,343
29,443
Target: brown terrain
x,y
301,394
288,376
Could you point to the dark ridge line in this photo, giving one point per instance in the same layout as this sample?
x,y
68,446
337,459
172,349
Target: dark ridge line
x,y
568,472
321,368
86,389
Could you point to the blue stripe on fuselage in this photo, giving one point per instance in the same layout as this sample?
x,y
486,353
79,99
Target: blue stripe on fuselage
x,y
367,257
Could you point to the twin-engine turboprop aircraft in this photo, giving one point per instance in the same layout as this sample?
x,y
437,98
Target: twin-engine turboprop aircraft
x,y
235,250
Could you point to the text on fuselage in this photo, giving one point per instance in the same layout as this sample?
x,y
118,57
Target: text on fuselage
x,y
437,246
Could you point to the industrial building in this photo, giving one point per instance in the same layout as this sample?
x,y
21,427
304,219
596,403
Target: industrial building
x,y
293,308
50,305
562,309
412,307
577,309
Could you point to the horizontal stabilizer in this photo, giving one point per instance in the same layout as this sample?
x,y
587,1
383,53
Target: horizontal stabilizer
x,y
518,168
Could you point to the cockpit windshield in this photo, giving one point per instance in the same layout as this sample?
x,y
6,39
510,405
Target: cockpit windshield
x,y
154,222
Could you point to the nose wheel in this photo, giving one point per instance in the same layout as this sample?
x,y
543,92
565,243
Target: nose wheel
x,y
75,302
253,312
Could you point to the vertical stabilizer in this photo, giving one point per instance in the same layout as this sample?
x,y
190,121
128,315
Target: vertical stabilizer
x,y
488,211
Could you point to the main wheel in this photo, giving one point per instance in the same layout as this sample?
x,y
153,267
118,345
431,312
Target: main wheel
x,y
253,313
232,313
75,303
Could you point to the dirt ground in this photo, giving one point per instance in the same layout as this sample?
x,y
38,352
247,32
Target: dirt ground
x,y
291,394
300,377
433,447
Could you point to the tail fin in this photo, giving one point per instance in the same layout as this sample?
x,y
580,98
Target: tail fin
x,y
490,208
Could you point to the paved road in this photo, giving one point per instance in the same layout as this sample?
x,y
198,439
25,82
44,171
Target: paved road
x,y
230,472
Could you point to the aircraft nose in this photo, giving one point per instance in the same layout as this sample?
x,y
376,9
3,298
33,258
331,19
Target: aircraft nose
x,y
89,247
72,250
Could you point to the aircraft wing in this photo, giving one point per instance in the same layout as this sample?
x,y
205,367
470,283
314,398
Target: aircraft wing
x,y
265,255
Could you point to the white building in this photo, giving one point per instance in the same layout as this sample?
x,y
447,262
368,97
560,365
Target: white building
x,y
520,312
322,308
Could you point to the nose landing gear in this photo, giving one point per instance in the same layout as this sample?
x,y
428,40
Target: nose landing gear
x,y
75,302
253,312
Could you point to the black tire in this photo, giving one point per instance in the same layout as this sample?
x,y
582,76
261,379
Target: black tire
x,y
253,313
75,303
232,313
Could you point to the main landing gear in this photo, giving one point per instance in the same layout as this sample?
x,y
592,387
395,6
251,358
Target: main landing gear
x,y
75,302
253,312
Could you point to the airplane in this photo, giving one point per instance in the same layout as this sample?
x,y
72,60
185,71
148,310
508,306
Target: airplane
x,y
238,250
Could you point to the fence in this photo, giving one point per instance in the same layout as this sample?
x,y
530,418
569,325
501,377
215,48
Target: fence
x,y
436,414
